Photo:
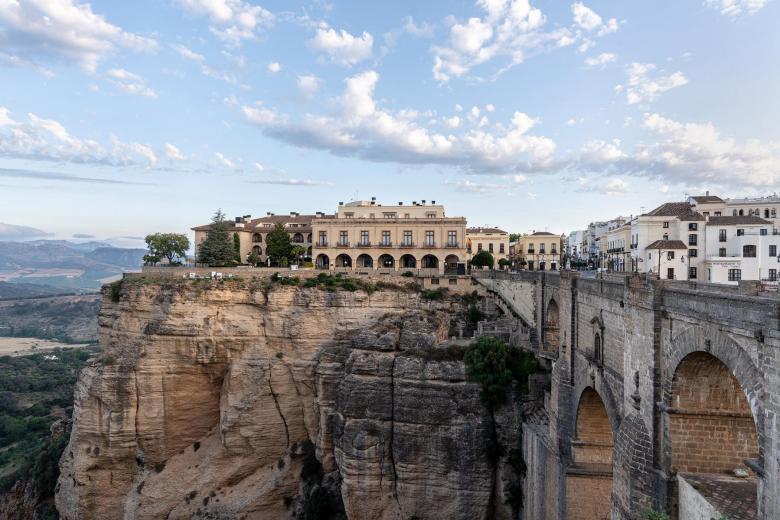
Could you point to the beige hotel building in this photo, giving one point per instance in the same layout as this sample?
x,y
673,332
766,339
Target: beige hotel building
x,y
363,235
367,235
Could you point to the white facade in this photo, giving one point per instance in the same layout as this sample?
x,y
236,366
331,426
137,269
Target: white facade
x,y
742,251
576,245
767,208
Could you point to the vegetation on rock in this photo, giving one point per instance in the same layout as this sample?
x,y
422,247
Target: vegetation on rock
x,y
495,365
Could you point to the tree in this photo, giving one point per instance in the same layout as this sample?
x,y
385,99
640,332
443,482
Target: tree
x,y
514,237
217,249
237,247
296,253
483,259
503,262
166,245
278,246
253,258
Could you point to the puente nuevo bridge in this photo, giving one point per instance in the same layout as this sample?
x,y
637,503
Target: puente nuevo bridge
x,y
664,396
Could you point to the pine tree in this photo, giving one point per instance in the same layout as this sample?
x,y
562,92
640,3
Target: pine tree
x,y
278,246
217,250
237,248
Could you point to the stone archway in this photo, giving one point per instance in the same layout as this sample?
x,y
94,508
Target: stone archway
x,y
386,262
408,261
711,426
365,261
429,262
589,478
343,260
323,262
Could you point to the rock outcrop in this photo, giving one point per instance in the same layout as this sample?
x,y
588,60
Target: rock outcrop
x,y
253,400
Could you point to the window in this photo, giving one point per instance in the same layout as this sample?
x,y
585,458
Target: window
x,y
343,238
501,248
490,247
773,250
693,240
693,226
406,215
693,253
386,238
531,249
364,238
735,275
429,238
740,232
479,246
407,238
666,236
666,225
530,265
434,281
389,215
774,213
430,215
734,213
349,215
670,255
722,235
692,273
766,213
452,238
749,251
773,275
453,281
763,232
541,249
718,214
670,273
598,349
722,251
554,249
322,240
541,266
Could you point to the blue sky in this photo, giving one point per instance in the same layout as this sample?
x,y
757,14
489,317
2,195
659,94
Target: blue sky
x,y
123,118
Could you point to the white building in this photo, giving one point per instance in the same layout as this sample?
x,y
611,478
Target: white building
x,y
741,248
667,241
576,246
767,208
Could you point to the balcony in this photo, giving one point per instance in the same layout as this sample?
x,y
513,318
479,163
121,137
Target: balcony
x,y
406,244
429,244
363,244
531,251
343,243
452,245
386,244
322,243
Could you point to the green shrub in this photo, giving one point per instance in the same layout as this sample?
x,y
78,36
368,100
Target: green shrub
x,y
495,366
655,515
115,290
433,294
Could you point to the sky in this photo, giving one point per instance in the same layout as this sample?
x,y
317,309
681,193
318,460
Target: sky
x,y
119,119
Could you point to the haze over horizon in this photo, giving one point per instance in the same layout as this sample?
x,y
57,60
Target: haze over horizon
x,y
121,119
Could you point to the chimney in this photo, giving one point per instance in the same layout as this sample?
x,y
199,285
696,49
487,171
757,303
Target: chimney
x,y
423,202
433,202
400,203
292,213
341,203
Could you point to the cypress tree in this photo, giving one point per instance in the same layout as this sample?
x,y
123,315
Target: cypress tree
x,y
217,249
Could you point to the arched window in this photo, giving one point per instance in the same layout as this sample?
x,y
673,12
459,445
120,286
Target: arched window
x,y
598,349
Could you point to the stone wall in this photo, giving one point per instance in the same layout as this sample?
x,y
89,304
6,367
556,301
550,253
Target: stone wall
x,y
688,377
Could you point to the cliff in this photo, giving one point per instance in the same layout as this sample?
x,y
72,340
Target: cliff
x,y
258,400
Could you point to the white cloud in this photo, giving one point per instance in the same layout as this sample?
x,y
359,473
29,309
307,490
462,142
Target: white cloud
x,y
610,186
490,107
173,153
363,128
510,29
342,47
274,67
224,161
231,20
188,53
62,30
17,61
130,83
48,140
259,167
292,182
600,60
468,186
691,153
736,7
640,87
452,122
423,30
308,85
590,21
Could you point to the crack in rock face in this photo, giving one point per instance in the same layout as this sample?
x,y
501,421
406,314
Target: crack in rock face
x,y
248,401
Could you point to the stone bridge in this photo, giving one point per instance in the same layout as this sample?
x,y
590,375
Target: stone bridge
x,y
663,394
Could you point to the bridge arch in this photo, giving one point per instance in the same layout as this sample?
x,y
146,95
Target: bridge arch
x,y
589,479
552,325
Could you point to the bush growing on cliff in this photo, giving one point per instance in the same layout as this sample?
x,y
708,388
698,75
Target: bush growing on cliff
x,y
433,294
495,366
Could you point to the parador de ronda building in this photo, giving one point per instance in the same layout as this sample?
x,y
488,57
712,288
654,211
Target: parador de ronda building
x,y
363,235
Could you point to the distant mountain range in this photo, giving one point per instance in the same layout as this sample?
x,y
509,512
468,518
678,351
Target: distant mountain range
x,y
64,266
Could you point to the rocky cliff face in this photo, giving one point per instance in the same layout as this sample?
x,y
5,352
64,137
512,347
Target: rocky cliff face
x,y
228,400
